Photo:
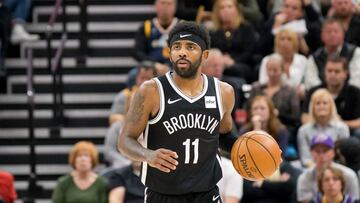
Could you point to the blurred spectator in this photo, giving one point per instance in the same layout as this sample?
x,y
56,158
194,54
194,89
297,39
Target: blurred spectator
x,y
331,183
284,97
194,10
151,37
347,97
348,153
231,185
251,11
287,45
5,31
318,5
214,66
7,188
323,119
296,16
262,115
82,185
20,10
281,187
322,151
111,154
332,35
345,12
145,71
125,184
235,38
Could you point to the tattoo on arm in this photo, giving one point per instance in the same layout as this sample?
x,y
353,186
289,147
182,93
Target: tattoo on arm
x,y
137,111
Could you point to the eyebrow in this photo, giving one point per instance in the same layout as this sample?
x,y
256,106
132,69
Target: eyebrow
x,y
187,43
191,43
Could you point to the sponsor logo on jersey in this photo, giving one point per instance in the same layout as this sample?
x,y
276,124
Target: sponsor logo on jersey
x,y
210,102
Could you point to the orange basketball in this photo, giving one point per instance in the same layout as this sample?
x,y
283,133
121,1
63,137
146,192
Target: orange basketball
x,y
256,155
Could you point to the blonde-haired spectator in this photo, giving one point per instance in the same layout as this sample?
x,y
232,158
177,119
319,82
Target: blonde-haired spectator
x,y
323,119
287,45
285,97
82,185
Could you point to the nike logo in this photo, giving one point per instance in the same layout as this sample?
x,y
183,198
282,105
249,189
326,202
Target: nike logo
x,y
215,197
173,101
186,35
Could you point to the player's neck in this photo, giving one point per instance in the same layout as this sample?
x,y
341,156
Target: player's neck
x,y
190,86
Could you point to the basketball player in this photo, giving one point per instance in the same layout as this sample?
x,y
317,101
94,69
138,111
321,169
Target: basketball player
x,y
180,115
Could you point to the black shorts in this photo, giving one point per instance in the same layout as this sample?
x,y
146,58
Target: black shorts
x,y
195,197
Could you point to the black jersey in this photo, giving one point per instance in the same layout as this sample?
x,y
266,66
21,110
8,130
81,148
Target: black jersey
x,y
190,127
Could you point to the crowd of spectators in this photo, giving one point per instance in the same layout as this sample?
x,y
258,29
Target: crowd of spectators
x,y
295,68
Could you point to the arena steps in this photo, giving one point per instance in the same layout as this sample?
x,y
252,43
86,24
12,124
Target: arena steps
x,y
88,90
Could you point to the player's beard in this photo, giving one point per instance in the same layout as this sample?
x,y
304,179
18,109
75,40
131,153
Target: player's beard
x,y
189,72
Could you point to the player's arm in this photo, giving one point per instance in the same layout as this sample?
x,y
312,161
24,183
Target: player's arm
x,y
228,101
143,105
227,138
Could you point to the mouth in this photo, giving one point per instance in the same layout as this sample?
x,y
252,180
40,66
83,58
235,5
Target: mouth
x,y
182,63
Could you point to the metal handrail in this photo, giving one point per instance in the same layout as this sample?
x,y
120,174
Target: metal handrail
x,y
54,66
58,54
54,13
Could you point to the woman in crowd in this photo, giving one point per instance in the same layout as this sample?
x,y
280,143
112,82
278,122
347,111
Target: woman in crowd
x,y
331,183
287,45
262,115
82,185
234,37
323,120
284,97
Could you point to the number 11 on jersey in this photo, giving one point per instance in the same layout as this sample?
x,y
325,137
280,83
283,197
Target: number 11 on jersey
x,y
195,143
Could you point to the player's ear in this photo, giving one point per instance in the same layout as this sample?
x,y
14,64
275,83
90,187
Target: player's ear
x,y
168,50
205,54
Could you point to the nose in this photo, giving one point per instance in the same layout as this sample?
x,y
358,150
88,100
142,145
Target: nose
x,y
182,53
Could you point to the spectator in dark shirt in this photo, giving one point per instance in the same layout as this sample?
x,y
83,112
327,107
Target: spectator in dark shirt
x,y
281,187
294,15
125,185
151,37
344,11
235,38
333,37
348,153
347,97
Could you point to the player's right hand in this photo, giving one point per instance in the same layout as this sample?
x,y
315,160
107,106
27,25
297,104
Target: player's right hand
x,y
162,159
